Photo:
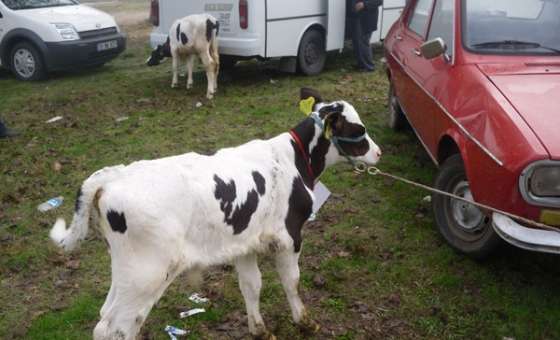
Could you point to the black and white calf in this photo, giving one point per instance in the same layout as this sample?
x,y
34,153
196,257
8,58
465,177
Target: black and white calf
x,y
188,212
188,37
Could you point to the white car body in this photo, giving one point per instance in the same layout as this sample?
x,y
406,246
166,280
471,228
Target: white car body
x,y
36,25
275,27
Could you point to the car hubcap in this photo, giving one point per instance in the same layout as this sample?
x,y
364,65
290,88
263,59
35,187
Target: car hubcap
x,y
311,53
24,63
467,216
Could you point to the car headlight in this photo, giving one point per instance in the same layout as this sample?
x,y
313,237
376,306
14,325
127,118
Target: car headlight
x,y
545,181
67,31
539,183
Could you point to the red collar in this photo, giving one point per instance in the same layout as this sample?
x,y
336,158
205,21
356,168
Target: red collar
x,y
303,152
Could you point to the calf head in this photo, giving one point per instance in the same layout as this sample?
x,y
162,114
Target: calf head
x,y
159,53
343,129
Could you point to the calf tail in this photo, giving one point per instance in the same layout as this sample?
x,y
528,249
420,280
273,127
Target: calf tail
x,y
67,239
212,31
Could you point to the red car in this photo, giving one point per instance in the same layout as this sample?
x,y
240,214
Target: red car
x,y
479,83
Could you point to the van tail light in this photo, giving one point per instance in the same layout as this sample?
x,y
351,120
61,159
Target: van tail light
x,y
154,12
243,14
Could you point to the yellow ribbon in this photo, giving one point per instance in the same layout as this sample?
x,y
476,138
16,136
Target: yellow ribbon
x,y
306,105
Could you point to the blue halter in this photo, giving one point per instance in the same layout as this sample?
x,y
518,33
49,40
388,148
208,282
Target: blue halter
x,y
336,140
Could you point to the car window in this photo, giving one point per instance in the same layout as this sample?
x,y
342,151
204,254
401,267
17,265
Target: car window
x,y
512,26
420,16
442,23
28,4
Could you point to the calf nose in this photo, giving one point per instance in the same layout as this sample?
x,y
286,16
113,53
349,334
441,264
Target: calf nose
x,y
379,153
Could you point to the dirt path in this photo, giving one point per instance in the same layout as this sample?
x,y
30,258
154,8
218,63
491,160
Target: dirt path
x,y
129,13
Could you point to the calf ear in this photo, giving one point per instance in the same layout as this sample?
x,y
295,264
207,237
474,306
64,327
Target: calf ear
x,y
307,92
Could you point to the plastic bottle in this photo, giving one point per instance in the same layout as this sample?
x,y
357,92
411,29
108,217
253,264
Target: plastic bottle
x,y
53,203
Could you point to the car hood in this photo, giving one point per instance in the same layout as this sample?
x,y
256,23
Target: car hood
x,y
534,91
84,18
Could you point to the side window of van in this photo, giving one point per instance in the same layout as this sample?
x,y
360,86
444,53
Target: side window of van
x,y
420,17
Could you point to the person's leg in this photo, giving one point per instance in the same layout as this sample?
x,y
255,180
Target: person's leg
x,y
356,40
366,53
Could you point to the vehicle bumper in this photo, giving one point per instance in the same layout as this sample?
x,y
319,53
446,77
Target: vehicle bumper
x,y
241,47
527,238
80,53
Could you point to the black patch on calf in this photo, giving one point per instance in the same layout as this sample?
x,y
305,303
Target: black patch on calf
x,y
209,27
178,32
184,39
78,202
260,182
300,207
117,221
239,217
166,49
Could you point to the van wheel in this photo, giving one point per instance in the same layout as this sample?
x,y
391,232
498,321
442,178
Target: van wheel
x,y
465,227
312,53
397,119
26,62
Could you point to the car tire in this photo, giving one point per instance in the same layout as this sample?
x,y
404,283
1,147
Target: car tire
x,y
397,119
462,225
312,53
26,62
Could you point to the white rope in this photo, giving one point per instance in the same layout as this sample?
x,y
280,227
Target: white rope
x,y
362,168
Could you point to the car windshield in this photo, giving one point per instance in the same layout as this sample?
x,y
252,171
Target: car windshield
x,y
512,26
27,4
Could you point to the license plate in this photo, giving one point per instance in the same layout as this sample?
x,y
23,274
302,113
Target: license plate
x,y
222,12
107,45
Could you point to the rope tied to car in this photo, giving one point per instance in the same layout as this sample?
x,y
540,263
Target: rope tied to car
x,y
362,168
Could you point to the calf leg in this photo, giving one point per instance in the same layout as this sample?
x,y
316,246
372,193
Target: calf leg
x,y
210,66
139,285
288,270
250,284
175,67
190,63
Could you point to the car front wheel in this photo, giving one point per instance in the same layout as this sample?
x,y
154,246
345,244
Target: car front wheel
x,y
397,119
464,226
27,62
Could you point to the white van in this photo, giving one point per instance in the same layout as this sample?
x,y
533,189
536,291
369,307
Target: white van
x,y
298,31
48,35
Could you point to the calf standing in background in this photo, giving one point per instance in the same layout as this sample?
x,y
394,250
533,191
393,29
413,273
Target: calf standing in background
x,y
189,212
188,37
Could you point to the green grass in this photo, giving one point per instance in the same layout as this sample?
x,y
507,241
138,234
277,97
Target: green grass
x,y
387,272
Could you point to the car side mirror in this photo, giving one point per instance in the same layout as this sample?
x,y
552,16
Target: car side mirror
x,y
433,48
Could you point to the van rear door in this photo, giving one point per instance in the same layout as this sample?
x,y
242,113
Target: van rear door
x,y
336,24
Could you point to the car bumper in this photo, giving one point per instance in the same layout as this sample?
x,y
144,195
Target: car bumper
x,y
246,47
80,53
527,238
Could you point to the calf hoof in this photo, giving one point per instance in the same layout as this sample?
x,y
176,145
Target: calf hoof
x,y
261,333
174,86
210,96
189,86
308,325
265,336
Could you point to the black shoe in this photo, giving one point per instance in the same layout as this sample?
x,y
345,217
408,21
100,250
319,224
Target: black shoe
x,y
7,133
363,69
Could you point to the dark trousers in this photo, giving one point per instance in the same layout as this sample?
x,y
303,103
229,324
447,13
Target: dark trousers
x,y
362,48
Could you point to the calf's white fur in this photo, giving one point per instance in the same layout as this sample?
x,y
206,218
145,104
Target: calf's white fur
x,y
187,212
188,37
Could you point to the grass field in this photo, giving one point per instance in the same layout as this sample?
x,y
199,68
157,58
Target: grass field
x,y
373,265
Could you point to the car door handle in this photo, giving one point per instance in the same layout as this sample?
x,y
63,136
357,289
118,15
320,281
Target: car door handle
x,y
417,52
399,37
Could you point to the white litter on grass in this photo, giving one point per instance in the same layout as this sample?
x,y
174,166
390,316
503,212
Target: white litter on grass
x,y
54,119
272,81
198,104
121,119
196,298
174,332
427,199
191,312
